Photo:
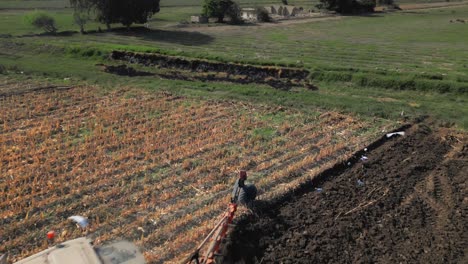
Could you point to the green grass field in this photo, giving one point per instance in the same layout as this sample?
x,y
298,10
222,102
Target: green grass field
x,y
54,4
164,3
356,61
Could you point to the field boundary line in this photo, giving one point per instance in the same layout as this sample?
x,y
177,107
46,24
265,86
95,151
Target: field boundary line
x,y
35,89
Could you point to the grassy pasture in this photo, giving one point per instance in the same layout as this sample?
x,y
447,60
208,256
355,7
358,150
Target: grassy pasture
x,y
34,4
425,42
53,4
352,55
353,59
58,4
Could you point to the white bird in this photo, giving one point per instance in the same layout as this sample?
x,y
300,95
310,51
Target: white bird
x,y
80,220
401,133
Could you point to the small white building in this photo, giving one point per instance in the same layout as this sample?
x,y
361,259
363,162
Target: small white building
x,y
199,19
249,13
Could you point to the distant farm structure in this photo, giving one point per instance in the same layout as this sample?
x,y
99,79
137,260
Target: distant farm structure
x,y
285,11
199,19
256,14
249,14
275,11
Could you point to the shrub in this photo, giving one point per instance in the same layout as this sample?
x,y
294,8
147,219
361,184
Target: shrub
x,y
388,3
216,8
394,82
262,14
234,13
115,11
42,21
80,19
81,12
330,76
365,6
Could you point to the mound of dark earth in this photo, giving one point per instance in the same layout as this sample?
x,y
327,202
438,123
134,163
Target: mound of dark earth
x,y
406,204
124,70
283,78
154,59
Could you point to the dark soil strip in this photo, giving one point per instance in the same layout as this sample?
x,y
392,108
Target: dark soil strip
x,y
277,77
153,59
380,210
281,84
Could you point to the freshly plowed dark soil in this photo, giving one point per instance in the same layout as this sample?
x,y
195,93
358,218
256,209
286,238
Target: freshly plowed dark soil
x,y
406,204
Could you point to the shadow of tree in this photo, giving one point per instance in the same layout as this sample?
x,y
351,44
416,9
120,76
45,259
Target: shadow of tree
x,y
67,33
172,36
377,14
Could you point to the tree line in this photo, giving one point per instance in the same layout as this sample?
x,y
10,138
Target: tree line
x,y
128,12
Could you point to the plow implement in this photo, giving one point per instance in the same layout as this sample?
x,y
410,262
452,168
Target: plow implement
x,y
209,248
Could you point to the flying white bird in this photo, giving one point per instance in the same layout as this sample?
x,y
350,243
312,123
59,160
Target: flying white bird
x,y
80,220
401,133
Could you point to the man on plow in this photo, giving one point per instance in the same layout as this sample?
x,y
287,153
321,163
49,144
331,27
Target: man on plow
x,y
243,194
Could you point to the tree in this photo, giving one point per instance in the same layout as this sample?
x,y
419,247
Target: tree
x,y
217,8
366,6
137,11
81,10
390,3
348,6
42,21
125,12
262,14
234,12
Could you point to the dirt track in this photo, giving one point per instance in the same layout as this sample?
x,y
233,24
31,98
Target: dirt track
x,y
406,204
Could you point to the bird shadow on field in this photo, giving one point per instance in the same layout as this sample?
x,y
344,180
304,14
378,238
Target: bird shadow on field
x,y
172,36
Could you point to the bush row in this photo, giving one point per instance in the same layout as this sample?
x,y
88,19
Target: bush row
x,y
412,82
87,52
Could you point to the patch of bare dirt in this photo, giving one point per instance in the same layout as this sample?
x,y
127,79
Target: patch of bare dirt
x,y
406,204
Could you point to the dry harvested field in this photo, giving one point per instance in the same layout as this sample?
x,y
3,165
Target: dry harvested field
x,y
153,168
